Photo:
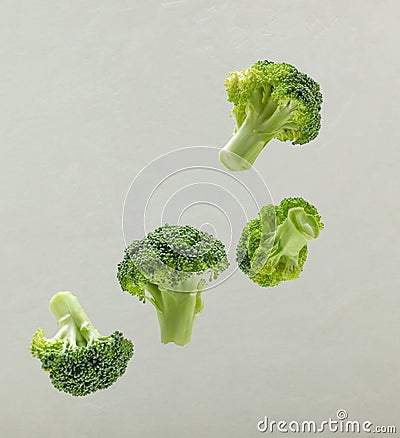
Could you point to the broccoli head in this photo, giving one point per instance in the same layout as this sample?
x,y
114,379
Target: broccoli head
x,y
78,359
170,268
269,101
273,247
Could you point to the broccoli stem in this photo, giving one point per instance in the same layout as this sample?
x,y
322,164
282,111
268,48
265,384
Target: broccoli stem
x,y
75,325
243,148
262,124
295,231
176,313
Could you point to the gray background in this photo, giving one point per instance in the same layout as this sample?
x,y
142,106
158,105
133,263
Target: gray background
x,y
90,92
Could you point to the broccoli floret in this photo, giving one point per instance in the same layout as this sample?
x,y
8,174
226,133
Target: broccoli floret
x,y
170,268
270,101
273,248
78,359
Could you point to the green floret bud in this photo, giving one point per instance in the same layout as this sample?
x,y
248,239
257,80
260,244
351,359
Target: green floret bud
x,y
170,268
78,359
270,101
273,248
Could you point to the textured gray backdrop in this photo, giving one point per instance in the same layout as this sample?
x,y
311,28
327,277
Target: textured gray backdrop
x,y
90,92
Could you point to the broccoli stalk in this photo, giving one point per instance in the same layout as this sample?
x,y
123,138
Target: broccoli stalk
x,y
78,359
270,101
176,313
292,235
264,119
75,326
